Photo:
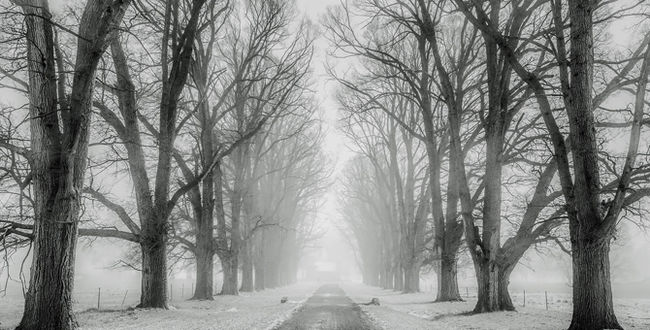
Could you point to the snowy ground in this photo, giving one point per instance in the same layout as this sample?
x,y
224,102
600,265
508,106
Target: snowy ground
x,y
262,310
259,310
417,311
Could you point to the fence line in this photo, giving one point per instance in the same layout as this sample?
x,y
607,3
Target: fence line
x,y
543,299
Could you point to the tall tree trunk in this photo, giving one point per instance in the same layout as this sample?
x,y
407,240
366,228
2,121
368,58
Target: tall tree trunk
x,y
204,274
487,267
441,235
247,267
48,302
592,291
505,302
593,307
388,277
154,267
154,277
448,274
258,261
270,246
230,263
203,202
487,280
412,278
204,265
259,276
448,290
449,239
398,274
59,150
230,266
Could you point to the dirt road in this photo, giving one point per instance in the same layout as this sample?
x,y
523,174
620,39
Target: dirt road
x,y
329,308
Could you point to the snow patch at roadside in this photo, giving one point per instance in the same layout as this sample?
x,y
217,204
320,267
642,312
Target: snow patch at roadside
x,y
278,322
418,311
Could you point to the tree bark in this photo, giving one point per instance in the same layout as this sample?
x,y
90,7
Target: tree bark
x,y
488,287
505,302
590,233
59,150
203,200
487,267
154,279
204,266
593,307
247,268
448,274
48,302
154,268
445,235
230,266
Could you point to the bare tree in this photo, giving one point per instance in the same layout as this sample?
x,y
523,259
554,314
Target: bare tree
x,y
399,160
592,222
154,205
59,125
403,53
243,88
289,176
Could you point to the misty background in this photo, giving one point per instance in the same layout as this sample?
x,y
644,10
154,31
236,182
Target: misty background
x,y
542,268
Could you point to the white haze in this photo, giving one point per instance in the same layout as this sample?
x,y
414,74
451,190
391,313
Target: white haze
x,y
537,271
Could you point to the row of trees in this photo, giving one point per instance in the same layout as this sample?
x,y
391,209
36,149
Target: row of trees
x,y
195,122
386,198
509,116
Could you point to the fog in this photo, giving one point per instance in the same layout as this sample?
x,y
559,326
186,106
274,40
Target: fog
x,y
401,150
96,258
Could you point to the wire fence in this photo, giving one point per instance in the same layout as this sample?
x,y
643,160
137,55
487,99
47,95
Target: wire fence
x,y
117,299
111,298
547,299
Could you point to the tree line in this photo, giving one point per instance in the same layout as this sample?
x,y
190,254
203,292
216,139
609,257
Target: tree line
x,y
191,122
485,128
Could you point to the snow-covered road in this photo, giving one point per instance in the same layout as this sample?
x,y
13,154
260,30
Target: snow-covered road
x,y
329,308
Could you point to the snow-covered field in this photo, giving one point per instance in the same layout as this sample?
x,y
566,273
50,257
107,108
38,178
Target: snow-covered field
x,y
259,310
263,310
417,311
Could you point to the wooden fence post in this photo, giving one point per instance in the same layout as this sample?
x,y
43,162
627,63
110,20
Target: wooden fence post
x,y
124,299
546,299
